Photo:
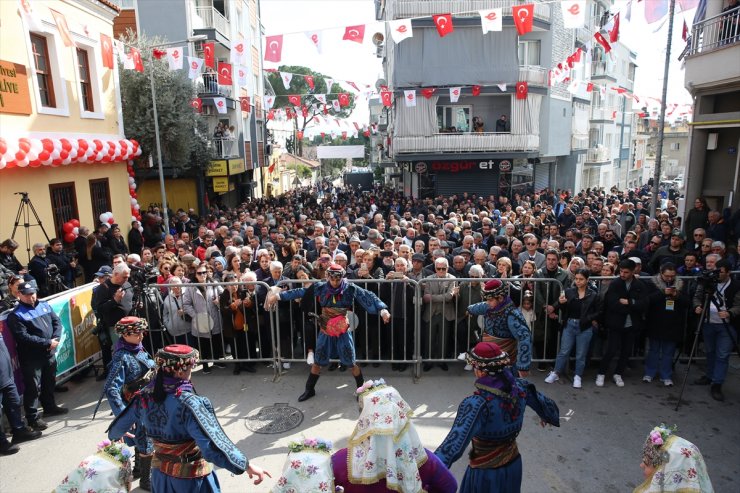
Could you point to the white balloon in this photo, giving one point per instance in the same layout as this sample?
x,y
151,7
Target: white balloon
x,y
131,180
133,201
141,228
76,231
137,207
103,217
36,145
133,186
22,163
133,218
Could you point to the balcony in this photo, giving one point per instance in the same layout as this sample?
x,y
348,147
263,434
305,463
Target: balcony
x,y
597,155
602,70
579,142
583,35
210,18
603,114
467,142
223,148
402,9
712,59
208,86
533,75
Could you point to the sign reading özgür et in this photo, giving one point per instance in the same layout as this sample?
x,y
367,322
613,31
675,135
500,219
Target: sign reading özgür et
x,y
461,166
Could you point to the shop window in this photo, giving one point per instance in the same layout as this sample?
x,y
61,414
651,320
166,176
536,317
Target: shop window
x,y
43,68
100,196
86,89
453,119
63,205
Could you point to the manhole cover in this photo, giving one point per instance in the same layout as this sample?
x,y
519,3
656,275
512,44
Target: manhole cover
x,y
277,418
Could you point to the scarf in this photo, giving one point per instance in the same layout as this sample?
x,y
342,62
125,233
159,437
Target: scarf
x,y
133,348
176,386
684,472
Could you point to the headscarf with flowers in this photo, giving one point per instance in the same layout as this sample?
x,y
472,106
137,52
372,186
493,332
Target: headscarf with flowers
x,y
679,465
307,469
109,471
384,443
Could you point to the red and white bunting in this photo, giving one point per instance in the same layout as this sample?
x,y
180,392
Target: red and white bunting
x,y
220,105
62,27
603,42
135,57
443,22
195,65
501,87
241,75
409,97
34,153
455,94
354,33
309,80
329,82
574,13
491,20
174,58
522,89
335,105
33,21
321,98
209,54
400,30
428,92
286,77
387,98
315,38
343,99
294,99
197,104
225,74
614,31
238,54
268,102
274,48
523,18
476,90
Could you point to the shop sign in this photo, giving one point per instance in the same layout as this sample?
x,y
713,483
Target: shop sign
x,y
14,95
421,167
236,166
217,168
220,184
504,165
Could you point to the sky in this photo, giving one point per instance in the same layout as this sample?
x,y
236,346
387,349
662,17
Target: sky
x,y
358,63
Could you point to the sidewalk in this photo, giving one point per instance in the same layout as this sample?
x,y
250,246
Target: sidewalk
x,y
596,449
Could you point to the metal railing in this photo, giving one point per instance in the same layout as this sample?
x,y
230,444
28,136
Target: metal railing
x,y
597,155
467,142
399,9
212,18
579,142
209,85
224,148
715,32
533,74
602,69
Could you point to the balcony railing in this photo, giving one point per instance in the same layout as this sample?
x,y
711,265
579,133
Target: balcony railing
x,y
223,148
466,142
597,155
602,69
603,114
579,142
402,9
716,32
533,74
209,85
583,35
212,18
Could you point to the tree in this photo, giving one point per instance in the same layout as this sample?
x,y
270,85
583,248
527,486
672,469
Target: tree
x,y
182,131
309,103
301,170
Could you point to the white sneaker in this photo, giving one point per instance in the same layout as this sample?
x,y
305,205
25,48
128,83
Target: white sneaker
x,y
552,377
309,359
286,366
577,382
462,356
668,383
468,367
647,379
599,380
618,380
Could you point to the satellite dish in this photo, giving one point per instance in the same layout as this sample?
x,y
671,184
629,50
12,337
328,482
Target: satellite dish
x,y
379,83
378,39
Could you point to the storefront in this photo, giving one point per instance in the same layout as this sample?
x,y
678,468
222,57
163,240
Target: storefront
x,y
482,177
223,188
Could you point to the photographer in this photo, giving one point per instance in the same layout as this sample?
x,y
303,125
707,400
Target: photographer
x,y
719,324
111,301
67,264
38,267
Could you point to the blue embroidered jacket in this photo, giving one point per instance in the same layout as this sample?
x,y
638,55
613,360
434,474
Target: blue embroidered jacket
x,y
178,419
495,416
352,293
126,367
507,322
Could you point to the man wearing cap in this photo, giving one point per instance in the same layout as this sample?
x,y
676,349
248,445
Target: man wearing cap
x,y
111,301
36,329
336,297
504,324
183,427
491,419
674,252
130,371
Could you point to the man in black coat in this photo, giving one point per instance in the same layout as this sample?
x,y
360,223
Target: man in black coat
x,y
67,266
111,301
135,238
624,306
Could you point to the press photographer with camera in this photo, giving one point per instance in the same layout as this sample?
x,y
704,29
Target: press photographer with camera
x,y
38,267
111,301
67,263
719,323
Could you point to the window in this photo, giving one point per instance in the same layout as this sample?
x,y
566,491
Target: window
x,y
86,90
100,196
452,119
43,70
675,146
529,52
63,205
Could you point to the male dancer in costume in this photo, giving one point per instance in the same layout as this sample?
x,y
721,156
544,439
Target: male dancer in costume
x,y
505,325
130,370
335,297
492,418
183,426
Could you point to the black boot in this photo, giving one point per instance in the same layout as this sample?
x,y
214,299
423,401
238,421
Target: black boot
x,y
145,483
310,385
136,471
717,394
359,381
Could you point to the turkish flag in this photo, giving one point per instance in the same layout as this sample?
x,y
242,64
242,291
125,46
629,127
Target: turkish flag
x,y
288,113
272,166
523,18
244,101
326,110
427,93
476,90
304,111
444,24
603,42
323,134
590,87
521,90
209,51
299,134
135,55
614,33
106,46
295,100
309,81
354,33
685,31
274,48
366,133
197,104
63,28
343,99
224,74
344,135
387,98
271,115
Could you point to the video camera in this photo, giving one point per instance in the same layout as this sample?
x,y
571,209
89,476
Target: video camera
x,y
708,279
141,276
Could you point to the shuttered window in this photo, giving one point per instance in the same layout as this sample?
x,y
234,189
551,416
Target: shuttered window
x,y
100,196
63,205
43,70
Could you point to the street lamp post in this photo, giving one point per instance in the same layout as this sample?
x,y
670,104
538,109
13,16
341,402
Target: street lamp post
x,y
165,215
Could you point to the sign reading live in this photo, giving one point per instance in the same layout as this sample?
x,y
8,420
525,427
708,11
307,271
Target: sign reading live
x,y
461,166
14,95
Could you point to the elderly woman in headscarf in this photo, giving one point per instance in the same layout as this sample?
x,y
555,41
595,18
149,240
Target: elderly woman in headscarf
x,y
385,452
307,468
491,419
672,464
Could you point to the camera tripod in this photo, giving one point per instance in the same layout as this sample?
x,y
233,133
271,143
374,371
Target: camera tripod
x,y
25,209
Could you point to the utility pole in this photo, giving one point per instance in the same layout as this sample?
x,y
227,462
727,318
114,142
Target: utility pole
x,y
661,119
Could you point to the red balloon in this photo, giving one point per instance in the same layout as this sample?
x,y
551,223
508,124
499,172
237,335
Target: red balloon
x,y
48,145
82,146
3,146
56,162
63,155
111,220
24,144
68,227
34,164
98,145
43,155
69,237
75,223
66,145
133,194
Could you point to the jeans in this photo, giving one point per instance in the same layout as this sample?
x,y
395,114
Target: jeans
x,y
39,378
660,359
718,346
573,336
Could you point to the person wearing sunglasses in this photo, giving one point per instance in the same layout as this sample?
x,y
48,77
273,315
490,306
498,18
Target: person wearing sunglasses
x,y
335,298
